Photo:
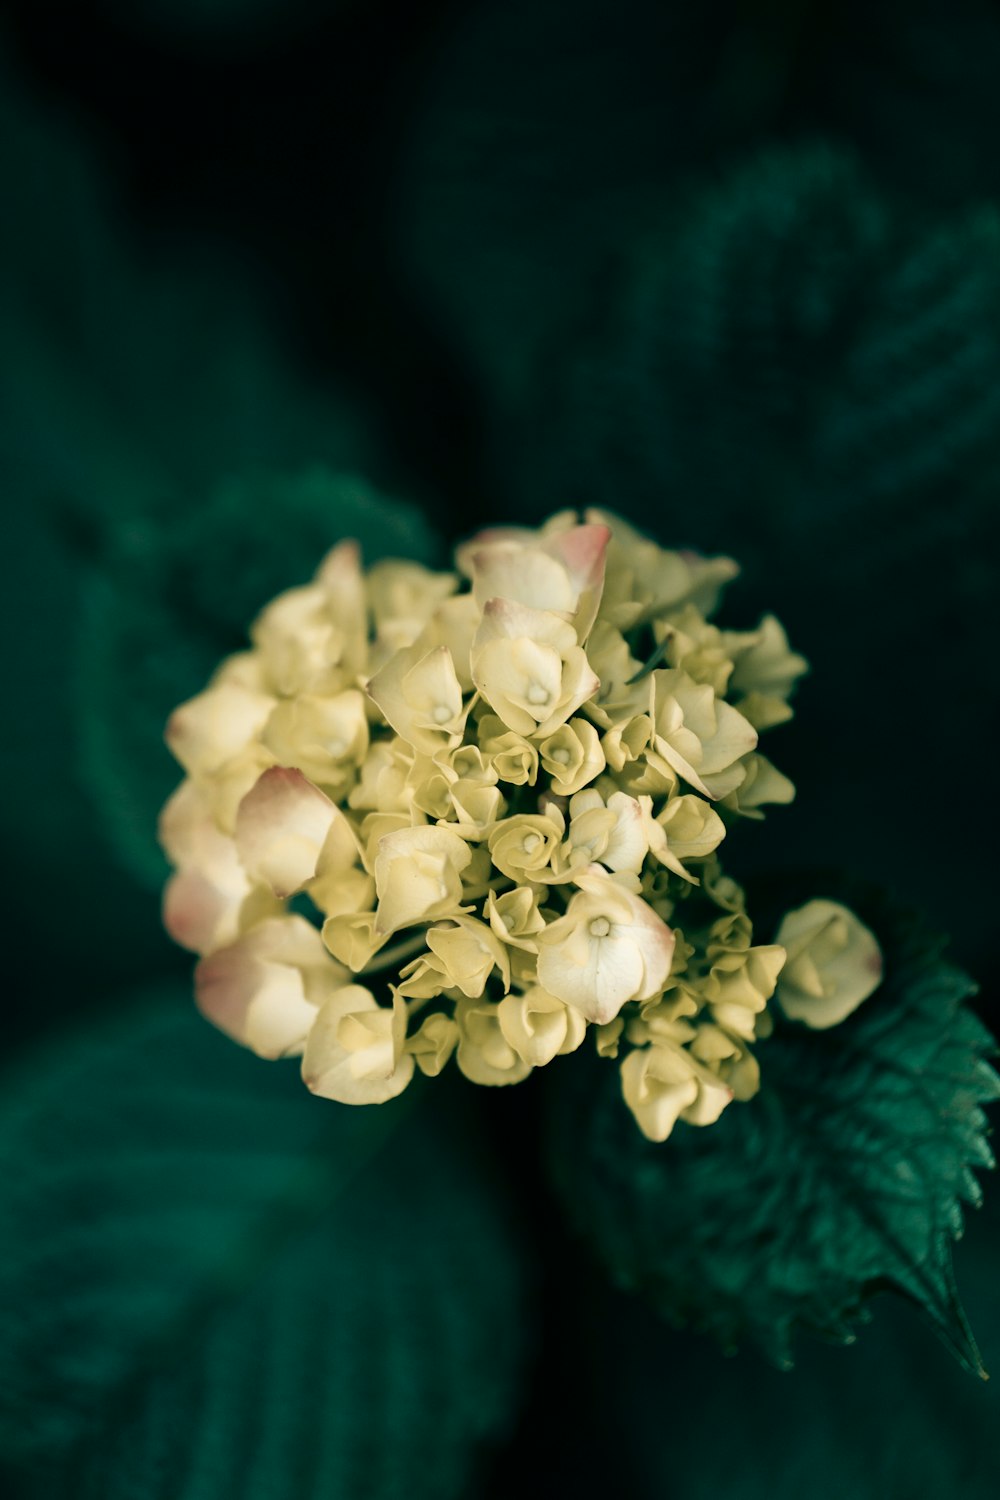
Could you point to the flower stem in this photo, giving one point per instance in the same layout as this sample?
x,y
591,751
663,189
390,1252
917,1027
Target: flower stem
x,y
389,957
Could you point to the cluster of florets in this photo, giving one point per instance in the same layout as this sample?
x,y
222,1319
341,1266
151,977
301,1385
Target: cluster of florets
x,y
505,801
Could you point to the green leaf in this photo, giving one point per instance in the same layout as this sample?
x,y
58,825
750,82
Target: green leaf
x,y
891,1415
845,1175
531,160
916,409
173,595
212,1283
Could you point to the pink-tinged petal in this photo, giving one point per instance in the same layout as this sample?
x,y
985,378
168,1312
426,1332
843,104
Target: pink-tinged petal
x,y
506,619
583,552
493,536
203,902
281,828
265,989
199,914
183,820
261,1005
189,835
526,576
341,568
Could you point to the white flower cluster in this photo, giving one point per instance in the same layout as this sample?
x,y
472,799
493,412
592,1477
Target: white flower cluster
x,y
505,800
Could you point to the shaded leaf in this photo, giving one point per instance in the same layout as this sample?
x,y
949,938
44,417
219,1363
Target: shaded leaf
x,y
212,1283
845,1175
536,152
889,1415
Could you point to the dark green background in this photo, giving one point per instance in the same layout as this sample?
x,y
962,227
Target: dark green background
x,y
731,269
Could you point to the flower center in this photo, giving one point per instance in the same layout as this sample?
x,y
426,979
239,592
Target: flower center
x,y
561,754
537,695
337,748
600,927
441,713
531,842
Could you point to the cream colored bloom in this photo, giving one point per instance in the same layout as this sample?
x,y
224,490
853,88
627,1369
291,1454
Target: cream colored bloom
x,y
213,729
433,1043
430,782
325,738
281,827
475,802
539,1027
515,918
625,743
512,757
243,669
765,674
623,692
299,644
608,1037
572,756
522,846
418,876
742,976
699,735
762,784
704,652
468,952
210,898
730,1059
562,571
353,938
480,790
356,1049
608,949
686,827
644,581
403,597
834,963
484,1053
340,577
658,1085
530,668
454,624
265,990
679,1074
612,832
292,837
478,875
340,886
420,695
384,784
375,826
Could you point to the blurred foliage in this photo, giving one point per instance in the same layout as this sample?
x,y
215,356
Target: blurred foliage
x,y
212,1283
891,1415
844,1175
124,391
172,595
732,270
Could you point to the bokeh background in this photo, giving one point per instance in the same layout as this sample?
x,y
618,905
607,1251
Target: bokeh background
x,y
269,267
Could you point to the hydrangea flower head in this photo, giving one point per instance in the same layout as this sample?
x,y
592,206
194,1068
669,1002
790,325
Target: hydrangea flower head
x,y
476,815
